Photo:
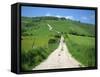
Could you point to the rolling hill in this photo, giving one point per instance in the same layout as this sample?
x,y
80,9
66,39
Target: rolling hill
x,y
38,40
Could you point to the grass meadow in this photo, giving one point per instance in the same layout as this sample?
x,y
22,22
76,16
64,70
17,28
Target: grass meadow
x,y
37,41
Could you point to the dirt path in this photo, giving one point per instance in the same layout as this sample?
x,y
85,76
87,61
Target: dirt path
x,y
50,27
60,58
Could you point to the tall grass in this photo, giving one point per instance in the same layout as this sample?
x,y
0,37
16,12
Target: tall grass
x,y
82,48
34,55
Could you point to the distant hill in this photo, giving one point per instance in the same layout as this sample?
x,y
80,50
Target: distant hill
x,y
60,24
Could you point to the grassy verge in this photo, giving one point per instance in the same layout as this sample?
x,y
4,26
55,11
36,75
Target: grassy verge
x,y
82,48
35,50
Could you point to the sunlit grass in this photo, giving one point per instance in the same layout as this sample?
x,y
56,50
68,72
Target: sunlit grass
x,y
82,48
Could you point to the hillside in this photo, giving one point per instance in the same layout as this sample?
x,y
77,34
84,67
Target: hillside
x,y
60,24
39,40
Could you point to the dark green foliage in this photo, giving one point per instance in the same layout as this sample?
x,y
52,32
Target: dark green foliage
x,y
33,57
73,33
45,18
52,41
63,18
57,36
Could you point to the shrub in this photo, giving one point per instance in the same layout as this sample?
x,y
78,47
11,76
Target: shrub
x,y
73,33
33,57
57,36
52,41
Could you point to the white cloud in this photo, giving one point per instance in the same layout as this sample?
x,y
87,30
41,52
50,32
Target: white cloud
x,y
48,14
69,17
59,16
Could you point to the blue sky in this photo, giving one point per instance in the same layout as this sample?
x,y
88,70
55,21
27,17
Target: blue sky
x,y
85,16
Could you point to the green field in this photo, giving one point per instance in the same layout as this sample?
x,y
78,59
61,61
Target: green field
x,y
82,48
38,41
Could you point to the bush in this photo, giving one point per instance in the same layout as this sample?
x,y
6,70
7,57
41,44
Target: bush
x,y
73,33
57,36
52,41
33,57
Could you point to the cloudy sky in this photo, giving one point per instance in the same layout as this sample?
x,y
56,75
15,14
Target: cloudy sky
x,y
85,16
